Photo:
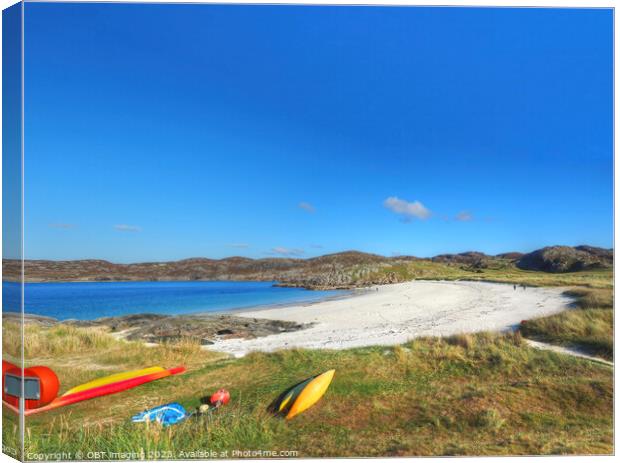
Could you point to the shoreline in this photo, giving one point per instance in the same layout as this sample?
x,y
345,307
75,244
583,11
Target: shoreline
x,y
234,311
396,313
350,293
343,293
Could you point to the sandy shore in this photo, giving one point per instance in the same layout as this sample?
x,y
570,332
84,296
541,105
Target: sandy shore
x,y
394,314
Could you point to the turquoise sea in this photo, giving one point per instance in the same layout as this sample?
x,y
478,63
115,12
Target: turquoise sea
x,y
92,300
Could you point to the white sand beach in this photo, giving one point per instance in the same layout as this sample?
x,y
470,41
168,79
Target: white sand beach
x,y
394,314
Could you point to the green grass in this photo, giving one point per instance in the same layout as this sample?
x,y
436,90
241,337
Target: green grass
x,y
593,298
55,341
590,329
589,326
465,395
478,394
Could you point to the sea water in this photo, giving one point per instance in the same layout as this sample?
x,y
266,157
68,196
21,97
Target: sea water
x,y
90,300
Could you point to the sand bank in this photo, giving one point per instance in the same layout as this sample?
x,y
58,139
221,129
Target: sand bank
x,y
394,314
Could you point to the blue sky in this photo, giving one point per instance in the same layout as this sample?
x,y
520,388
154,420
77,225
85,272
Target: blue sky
x,y
159,132
11,132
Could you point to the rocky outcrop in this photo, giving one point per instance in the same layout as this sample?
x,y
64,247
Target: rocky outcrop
x,y
561,259
206,329
16,317
154,328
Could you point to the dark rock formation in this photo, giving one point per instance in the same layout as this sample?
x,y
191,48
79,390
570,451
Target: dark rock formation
x,y
561,259
205,328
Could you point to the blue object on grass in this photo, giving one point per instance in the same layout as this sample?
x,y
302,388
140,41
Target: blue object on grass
x,y
168,414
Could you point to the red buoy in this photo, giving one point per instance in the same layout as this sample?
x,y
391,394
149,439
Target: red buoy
x,y
221,397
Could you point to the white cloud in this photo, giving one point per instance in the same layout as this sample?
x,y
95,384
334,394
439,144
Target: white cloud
x,y
307,207
289,252
409,210
127,228
62,226
464,216
239,245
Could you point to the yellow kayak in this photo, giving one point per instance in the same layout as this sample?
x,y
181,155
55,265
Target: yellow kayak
x,y
113,379
302,396
291,395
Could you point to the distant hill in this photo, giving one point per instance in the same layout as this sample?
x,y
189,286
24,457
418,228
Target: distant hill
x,y
327,270
467,258
339,270
560,259
510,255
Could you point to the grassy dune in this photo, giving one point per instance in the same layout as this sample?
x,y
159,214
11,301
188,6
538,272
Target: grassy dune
x,y
466,395
484,394
589,326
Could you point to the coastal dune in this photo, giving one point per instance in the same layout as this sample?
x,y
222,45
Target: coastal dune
x,y
394,314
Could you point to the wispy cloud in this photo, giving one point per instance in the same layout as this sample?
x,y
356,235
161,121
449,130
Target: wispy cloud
x,y
127,228
409,210
307,207
239,245
289,252
62,226
464,216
